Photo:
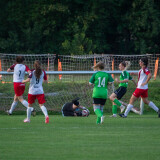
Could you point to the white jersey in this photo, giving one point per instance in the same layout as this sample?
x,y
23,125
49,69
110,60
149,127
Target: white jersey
x,y
19,72
36,87
142,77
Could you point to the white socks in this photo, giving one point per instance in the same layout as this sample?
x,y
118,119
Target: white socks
x,y
28,113
129,107
13,106
44,110
25,103
153,106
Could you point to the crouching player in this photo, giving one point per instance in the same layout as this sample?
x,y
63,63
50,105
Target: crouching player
x,y
36,78
74,109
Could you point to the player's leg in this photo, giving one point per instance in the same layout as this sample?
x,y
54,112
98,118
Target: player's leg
x,y
101,108
118,94
41,101
13,106
151,105
28,113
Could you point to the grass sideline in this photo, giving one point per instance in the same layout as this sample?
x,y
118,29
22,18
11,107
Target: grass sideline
x,y
77,138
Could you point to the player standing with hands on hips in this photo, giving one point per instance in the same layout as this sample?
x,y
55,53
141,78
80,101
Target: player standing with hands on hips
x,y
144,76
19,87
36,78
100,80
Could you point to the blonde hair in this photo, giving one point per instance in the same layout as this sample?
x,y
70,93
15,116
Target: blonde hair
x,y
100,65
38,69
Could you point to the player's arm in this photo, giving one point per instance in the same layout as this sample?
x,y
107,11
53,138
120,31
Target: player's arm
x,y
11,68
123,81
134,74
148,78
134,82
91,81
45,80
27,80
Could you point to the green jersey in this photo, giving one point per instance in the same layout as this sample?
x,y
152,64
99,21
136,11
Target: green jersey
x,y
100,80
124,75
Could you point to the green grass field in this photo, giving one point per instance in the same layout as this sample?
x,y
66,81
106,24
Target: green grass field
x,y
79,138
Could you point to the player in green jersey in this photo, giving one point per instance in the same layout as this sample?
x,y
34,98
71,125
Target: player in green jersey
x,y
100,80
120,92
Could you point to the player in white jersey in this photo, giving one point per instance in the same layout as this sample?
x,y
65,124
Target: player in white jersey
x,y
36,78
18,76
144,76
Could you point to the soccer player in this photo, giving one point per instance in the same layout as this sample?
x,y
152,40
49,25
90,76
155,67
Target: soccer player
x,y
100,80
73,108
19,72
36,78
144,76
120,92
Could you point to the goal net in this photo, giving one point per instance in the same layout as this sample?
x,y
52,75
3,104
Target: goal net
x,y
63,88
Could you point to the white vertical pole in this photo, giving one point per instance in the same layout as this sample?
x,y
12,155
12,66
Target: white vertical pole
x,y
141,107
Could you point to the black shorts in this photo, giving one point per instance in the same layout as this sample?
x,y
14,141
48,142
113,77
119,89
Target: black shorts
x,y
99,101
120,92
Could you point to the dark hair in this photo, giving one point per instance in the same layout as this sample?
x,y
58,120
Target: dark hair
x,y
145,60
38,69
75,101
19,59
99,65
123,63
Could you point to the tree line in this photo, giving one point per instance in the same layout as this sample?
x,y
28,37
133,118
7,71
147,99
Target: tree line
x,y
80,26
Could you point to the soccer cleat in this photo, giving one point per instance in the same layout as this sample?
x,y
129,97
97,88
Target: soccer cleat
x,y
47,120
114,116
102,119
8,112
26,120
159,113
122,115
34,112
122,108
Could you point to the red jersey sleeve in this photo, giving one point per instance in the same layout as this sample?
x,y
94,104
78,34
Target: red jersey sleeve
x,y
45,76
146,71
12,67
30,75
27,68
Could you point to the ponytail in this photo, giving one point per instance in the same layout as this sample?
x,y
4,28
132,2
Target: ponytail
x,y
38,69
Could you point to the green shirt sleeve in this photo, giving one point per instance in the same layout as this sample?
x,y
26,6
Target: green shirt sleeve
x,y
92,78
130,77
110,79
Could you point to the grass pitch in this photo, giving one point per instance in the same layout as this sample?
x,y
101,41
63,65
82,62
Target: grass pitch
x,y
79,138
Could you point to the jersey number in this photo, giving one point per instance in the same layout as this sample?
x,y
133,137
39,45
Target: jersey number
x,y
19,73
37,80
101,82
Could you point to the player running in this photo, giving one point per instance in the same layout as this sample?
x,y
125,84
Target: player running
x,y
100,80
18,76
144,76
120,92
36,78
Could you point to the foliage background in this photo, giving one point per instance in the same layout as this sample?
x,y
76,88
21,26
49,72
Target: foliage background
x,y
80,26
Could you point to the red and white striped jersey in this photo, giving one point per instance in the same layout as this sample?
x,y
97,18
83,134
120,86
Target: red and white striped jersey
x,y
19,72
142,77
36,87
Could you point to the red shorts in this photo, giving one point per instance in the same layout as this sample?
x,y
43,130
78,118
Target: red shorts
x,y
141,92
19,88
32,98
